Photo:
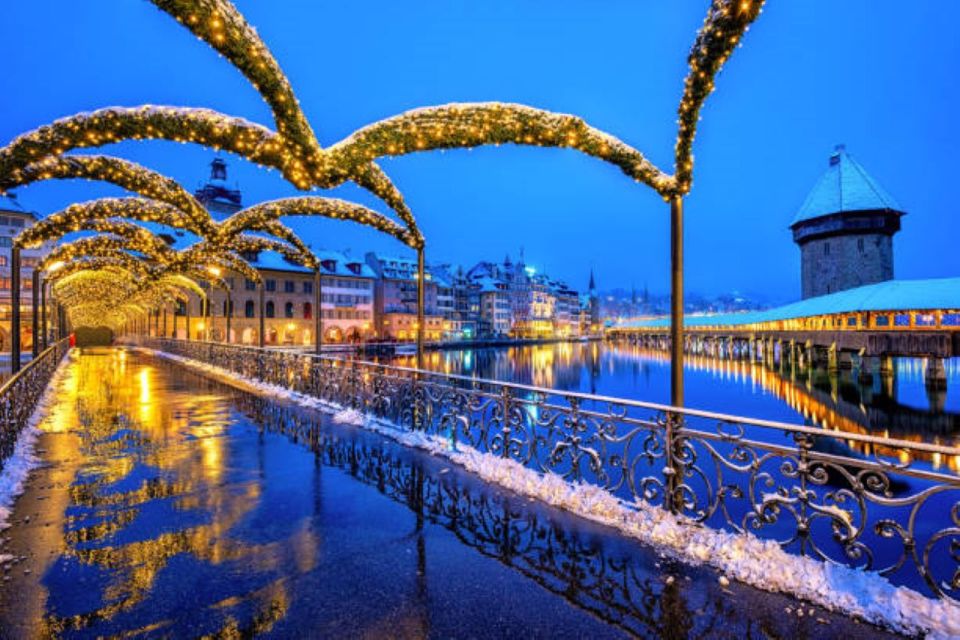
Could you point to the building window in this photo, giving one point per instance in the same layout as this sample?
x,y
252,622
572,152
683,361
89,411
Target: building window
x,y
271,310
288,310
925,320
249,285
228,308
248,309
3,262
271,285
860,245
852,321
902,320
950,320
826,248
308,287
307,311
289,286
883,321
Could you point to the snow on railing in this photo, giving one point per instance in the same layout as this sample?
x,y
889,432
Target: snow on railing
x,y
20,394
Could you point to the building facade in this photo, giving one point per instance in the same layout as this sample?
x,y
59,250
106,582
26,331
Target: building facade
x,y
347,289
13,220
845,230
516,301
395,299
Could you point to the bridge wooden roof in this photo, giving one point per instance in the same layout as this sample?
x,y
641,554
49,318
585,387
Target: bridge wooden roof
x,y
893,296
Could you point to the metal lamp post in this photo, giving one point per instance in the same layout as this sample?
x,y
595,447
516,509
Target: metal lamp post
x,y
45,330
421,301
263,324
228,313
676,301
318,310
15,309
35,311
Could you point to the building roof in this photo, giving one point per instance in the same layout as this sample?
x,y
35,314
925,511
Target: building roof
x,y
845,186
893,295
8,203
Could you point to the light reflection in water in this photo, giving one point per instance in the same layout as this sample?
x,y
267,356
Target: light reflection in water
x,y
138,464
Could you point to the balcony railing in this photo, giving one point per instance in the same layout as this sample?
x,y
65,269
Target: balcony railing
x,y
20,394
875,503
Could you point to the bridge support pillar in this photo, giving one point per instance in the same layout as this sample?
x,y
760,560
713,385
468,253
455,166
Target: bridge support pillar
x,y
868,365
935,374
886,365
833,363
845,359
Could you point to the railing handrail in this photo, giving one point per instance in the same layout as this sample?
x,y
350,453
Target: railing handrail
x,y
12,380
891,443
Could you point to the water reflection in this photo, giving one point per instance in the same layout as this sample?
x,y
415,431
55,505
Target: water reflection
x,y
896,405
150,460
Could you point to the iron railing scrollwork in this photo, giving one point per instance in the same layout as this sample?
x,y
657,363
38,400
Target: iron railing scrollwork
x,y
20,394
880,504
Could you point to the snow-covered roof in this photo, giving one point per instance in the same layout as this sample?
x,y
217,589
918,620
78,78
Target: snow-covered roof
x,y
10,204
893,295
845,186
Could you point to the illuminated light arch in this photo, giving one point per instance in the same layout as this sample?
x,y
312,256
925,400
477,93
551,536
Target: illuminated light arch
x,y
297,153
76,215
318,206
241,244
492,123
201,126
122,173
148,122
220,25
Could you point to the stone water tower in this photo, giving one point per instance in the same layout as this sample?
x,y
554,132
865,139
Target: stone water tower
x,y
845,230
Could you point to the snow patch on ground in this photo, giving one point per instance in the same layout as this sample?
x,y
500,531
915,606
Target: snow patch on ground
x,y
23,460
350,416
744,557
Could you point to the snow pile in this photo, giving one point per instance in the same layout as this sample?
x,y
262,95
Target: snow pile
x,y
18,466
349,416
744,557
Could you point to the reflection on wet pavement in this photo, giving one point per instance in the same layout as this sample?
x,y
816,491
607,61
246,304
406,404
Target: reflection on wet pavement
x,y
171,506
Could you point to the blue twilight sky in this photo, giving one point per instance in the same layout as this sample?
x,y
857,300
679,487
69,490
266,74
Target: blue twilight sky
x,y
878,75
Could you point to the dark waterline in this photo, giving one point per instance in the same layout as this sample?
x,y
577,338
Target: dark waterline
x,y
170,506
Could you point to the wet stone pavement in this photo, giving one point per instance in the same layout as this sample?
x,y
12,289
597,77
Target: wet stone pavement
x,y
168,505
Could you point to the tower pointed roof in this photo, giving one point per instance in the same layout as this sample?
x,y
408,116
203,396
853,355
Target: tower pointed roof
x,y
592,284
845,186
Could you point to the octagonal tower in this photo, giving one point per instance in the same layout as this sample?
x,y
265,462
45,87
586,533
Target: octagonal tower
x,y
845,230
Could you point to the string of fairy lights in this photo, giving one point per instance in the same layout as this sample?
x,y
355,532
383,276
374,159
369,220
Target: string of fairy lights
x,y
121,268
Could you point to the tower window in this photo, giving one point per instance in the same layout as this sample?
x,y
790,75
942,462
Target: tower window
x,y
826,248
860,245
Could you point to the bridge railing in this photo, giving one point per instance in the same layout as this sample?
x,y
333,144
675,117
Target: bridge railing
x,y
20,394
880,504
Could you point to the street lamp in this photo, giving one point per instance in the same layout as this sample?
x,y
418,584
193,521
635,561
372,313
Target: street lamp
x,y
216,271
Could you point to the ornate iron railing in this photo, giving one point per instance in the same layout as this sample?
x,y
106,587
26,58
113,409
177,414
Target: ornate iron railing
x,y
876,503
19,395
615,583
